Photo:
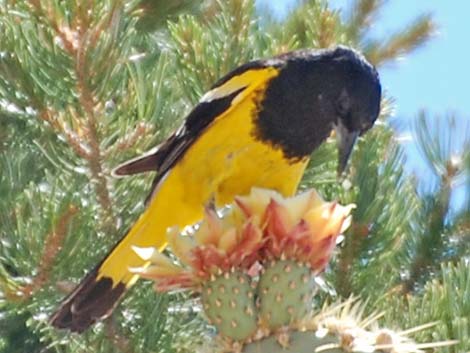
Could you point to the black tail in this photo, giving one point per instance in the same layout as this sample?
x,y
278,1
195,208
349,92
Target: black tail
x,y
93,299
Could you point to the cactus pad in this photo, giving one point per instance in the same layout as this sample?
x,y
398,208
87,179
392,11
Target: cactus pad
x,y
285,293
228,301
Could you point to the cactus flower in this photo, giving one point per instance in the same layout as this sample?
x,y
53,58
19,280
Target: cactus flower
x,y
260,226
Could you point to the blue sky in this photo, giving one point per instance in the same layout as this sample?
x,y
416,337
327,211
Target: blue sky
x,y
436,77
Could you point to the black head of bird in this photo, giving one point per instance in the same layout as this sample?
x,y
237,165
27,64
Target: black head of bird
x,y
357,103
317,91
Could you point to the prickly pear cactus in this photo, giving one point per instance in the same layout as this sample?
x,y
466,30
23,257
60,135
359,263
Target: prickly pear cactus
x,y
254,268
229,303
285,293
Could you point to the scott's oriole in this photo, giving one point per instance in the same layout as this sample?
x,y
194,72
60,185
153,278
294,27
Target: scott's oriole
x,y
257,126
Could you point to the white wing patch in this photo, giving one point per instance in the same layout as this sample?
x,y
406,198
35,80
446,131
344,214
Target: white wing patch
x,y
222,91
242,82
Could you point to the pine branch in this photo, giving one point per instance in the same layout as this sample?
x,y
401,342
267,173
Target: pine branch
x,y
207,49
430,247
382,221
444,300
401,43
56,121
153,14
52,246
130,139
362,15
78,41
443,147
88,102
326,31
312,25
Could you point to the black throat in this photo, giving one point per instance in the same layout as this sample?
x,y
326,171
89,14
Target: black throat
x,y
294,114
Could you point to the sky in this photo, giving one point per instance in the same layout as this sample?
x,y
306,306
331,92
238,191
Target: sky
x,y
435,77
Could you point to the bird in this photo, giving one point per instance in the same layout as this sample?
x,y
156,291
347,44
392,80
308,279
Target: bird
x,y
256,127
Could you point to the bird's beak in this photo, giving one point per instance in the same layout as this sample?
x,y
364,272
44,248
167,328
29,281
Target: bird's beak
x,y
345,140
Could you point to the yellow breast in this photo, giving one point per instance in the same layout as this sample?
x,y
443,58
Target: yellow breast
x,y
227,160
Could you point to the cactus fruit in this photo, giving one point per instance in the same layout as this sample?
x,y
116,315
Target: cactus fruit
x,y
285,293
229,303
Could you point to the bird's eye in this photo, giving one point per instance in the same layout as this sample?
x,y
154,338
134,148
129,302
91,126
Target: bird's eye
x,y
343,105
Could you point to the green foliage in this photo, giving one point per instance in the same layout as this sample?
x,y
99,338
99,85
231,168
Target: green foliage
x,y
382,221
76,98
83,88
441,231
312,24
445,301
206,49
